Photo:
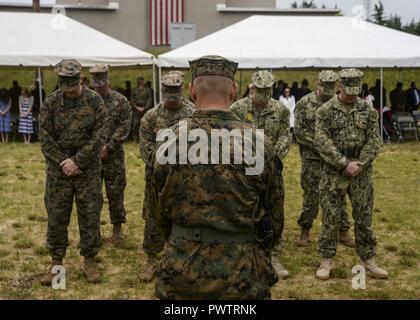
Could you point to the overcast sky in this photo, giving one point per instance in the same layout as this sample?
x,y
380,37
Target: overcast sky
x,y
407,9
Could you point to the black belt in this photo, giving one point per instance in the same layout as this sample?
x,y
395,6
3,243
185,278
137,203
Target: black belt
x,y
209,235
351,153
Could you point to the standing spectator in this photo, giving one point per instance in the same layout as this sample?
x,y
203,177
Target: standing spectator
x,y
37,103
294,90
26,104
5,105
15,92
127,91
304,90
376,92
366,95
142,101
277,89
413,98
247,91
150,86
289,102
397,98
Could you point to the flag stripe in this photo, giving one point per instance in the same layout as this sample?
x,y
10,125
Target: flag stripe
x,y
162,14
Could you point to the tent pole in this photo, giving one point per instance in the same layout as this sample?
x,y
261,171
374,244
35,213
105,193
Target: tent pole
x,y
154,84
382,104
240,84
160,91
40,87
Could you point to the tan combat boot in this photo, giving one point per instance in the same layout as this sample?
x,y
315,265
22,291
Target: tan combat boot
x,y
323,273
281,271
149,270
345,239
91,270
304,238
370,265
47,278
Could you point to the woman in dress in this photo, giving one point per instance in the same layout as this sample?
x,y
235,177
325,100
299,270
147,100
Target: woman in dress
x,y
5,104
26,103
289,101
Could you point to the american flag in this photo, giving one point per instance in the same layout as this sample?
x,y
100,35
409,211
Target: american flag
x,y
162,13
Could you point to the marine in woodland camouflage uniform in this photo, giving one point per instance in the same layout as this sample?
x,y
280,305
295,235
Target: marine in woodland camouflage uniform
x,y
205,211
306,110
347,138
112,153
142,101
262,111
173,108
71,135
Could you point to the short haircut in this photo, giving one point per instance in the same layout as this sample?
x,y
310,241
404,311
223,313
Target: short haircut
x,y
213,86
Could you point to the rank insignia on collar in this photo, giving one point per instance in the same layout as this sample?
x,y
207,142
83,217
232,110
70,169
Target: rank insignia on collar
x,y
249,116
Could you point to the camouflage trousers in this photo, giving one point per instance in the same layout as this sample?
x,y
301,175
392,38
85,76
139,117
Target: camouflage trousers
x,y
153,242
192,270
309,179
135,125
59,196
279,171
334,186
113,174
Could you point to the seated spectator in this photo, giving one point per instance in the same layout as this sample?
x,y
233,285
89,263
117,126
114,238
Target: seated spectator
x,y
5,106
413,98
397,98
289,101
26,104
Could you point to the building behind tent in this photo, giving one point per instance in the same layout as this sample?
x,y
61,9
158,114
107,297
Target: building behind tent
x,y
147,23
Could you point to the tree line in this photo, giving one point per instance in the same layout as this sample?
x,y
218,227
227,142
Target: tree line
x,y
379,16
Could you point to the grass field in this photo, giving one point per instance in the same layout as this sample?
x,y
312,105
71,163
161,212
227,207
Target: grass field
x,y
23,226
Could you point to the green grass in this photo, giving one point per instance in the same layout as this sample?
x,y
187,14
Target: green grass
x,y
23,228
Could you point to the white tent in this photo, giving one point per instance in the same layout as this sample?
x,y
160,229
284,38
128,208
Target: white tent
x,y
276,42
43,40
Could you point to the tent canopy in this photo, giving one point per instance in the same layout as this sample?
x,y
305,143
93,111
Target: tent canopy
x,y
276,42
42,40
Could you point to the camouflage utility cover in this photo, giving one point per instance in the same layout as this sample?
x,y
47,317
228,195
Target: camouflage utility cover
x,y
68,68
100,73
262,79
351,80
213,66
173,79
